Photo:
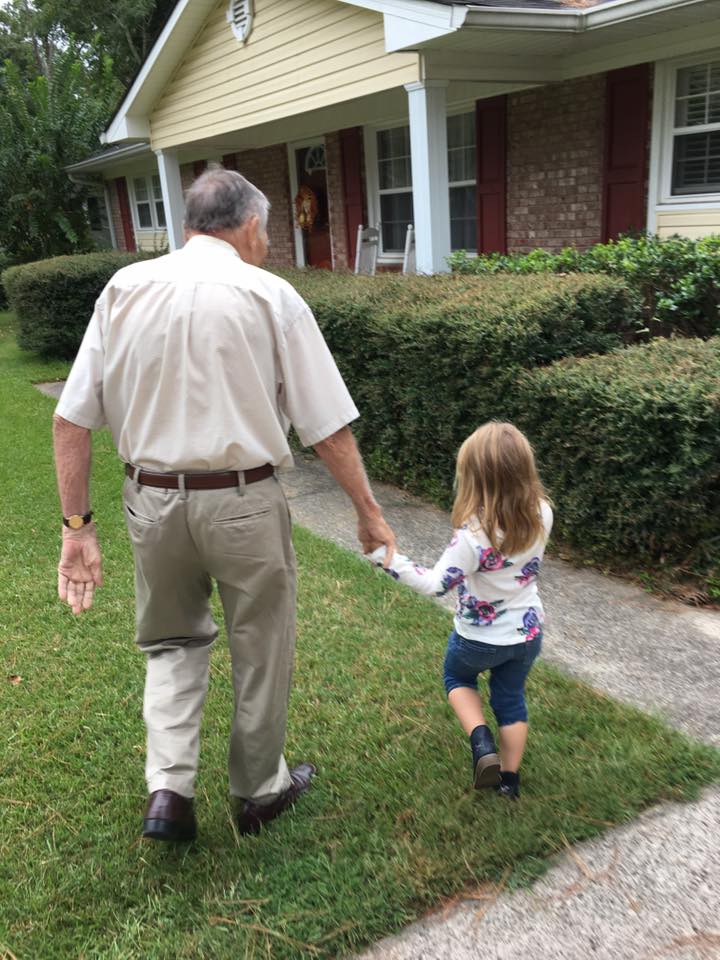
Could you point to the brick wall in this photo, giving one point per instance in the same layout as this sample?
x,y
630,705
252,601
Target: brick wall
x,y
268,170
336,201
555,165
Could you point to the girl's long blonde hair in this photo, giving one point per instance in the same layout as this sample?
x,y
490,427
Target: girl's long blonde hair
x,y
498,485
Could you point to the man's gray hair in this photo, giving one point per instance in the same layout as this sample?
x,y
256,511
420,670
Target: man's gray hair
x,y
223,200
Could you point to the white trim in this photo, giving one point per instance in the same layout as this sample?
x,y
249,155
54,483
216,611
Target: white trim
x,y
372,184
427,107
172,195
130,179
294,187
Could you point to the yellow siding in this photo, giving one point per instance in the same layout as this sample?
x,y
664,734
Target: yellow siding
x,y
301,56
151,239
688,223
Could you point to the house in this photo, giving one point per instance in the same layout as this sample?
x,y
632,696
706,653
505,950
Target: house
x,y
491,125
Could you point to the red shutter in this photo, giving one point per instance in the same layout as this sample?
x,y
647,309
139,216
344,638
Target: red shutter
x,y
491,130
351,146
229,161
199,167
626,137
125,215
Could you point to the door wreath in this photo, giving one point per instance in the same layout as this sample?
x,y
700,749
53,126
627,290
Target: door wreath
x,y
306,208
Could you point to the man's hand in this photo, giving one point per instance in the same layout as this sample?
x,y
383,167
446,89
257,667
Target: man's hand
x,y
373,532
80,567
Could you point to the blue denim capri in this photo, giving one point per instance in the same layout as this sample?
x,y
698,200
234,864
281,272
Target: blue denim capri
x,y
508,666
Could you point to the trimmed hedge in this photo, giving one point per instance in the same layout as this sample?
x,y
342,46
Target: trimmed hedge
x,y
629,444
678,279
54,299
428,358
4,264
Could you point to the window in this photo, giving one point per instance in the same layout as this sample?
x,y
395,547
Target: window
x,y
696,130
461,175
149,209
395,184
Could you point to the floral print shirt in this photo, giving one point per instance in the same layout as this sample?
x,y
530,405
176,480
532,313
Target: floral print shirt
x,y
497,596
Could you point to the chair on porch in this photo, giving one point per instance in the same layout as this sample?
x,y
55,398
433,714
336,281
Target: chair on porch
x,y
409,254
366,250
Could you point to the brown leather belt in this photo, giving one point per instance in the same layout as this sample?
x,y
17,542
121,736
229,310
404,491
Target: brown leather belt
x,y
200,481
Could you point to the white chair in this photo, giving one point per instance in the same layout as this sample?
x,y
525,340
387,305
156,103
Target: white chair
x,y
366,250
409,255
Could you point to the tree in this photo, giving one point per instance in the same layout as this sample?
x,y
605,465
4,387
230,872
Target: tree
x,y
46,124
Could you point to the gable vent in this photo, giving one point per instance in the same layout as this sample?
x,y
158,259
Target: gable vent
x,y
240,18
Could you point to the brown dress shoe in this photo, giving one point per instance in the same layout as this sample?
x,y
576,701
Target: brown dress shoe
x,y
253,816
169,816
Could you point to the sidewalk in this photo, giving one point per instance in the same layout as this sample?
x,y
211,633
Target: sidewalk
x,y
645,891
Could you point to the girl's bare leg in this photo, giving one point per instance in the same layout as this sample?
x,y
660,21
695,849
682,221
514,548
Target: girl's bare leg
x,y
467,705
513,738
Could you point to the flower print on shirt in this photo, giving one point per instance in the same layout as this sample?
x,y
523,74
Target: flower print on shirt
x,y
453,577
480,613
529,571
490,559
532,626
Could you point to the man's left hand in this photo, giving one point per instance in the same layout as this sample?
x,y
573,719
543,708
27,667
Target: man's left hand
x,y
80,567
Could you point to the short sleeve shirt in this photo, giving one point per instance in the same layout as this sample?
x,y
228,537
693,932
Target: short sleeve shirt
x,y
200,361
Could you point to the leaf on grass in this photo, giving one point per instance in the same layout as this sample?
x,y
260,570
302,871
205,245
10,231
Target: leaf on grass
x,y
14,679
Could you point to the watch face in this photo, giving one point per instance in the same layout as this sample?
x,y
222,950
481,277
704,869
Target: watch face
x,y
75,522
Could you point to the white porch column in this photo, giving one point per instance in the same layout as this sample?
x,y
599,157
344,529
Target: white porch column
x,y
427,102
172,194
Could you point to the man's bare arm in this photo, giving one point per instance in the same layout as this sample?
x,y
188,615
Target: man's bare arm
x,y
80,567
341,456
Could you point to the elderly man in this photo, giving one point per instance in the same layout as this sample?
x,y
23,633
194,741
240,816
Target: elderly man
x,y
198,362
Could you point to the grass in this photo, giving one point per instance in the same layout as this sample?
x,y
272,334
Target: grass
x,y
390,828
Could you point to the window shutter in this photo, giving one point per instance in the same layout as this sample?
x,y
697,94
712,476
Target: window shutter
x,y
491,123
351,149
125,215
626,139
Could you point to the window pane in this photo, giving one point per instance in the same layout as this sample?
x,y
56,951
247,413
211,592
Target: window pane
x,y
461,131
396,212
144,215
696,163
140,187
463,218
160,213
157,188
461,164
692,80
698,88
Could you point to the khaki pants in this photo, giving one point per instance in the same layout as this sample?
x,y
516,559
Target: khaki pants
x,y
240,537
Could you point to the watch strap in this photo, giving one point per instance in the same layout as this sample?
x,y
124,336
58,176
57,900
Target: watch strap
x,y
85,520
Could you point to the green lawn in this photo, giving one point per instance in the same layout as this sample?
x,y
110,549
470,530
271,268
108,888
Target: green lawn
x,y
391,826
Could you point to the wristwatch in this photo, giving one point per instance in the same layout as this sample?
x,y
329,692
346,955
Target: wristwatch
x,y
75,521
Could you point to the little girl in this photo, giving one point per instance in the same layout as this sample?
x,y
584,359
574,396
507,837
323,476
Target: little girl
x,y
502,519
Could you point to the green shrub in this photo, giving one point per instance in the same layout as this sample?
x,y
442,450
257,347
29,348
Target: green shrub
x,y
54,299
629,444
428,358
677,278
4,264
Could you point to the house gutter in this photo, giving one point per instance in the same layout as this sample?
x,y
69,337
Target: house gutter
x,y
578,21
100,163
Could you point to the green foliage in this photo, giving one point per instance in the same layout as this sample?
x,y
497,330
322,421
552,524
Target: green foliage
x,y
46,124
4,264
628,444
677,278
54,299
429,358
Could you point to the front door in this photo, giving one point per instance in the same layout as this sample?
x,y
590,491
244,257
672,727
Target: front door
x,y
311,206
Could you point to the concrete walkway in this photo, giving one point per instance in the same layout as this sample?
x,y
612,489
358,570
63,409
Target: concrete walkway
x,y
646,891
